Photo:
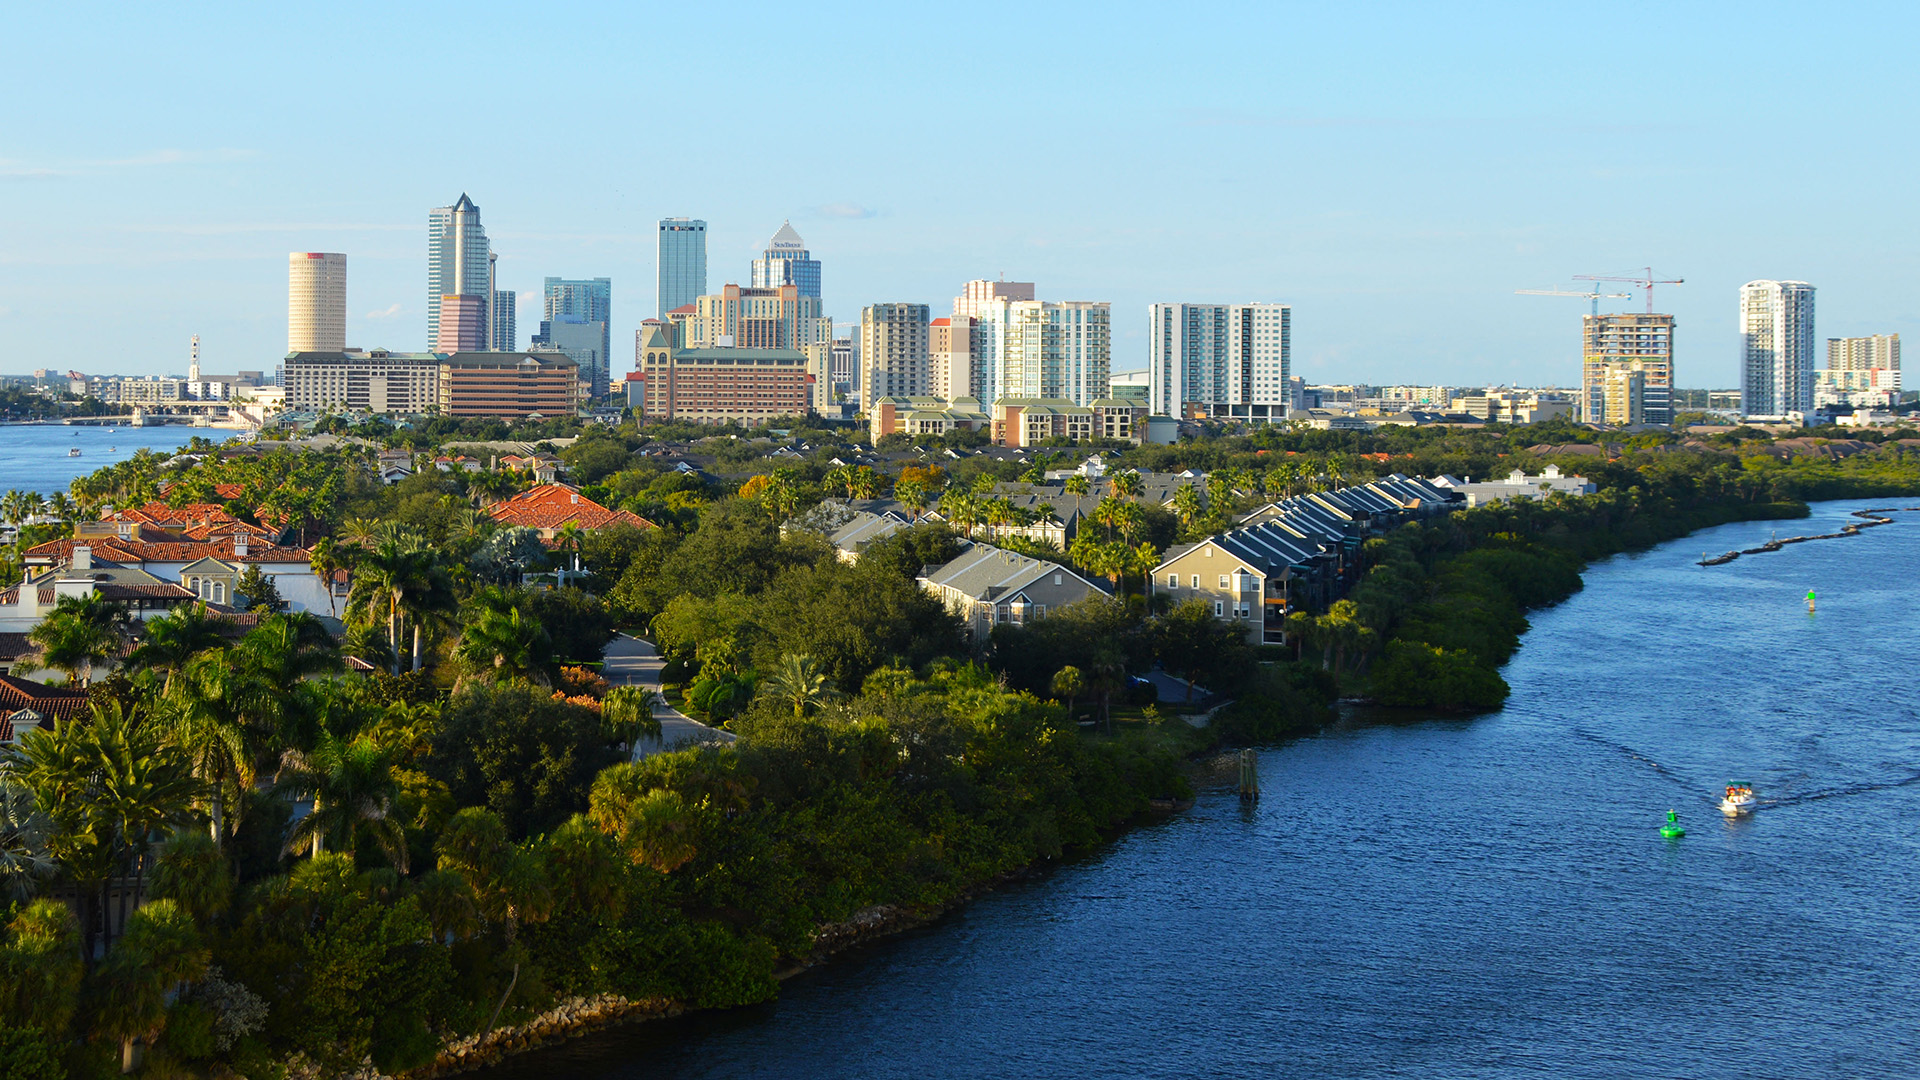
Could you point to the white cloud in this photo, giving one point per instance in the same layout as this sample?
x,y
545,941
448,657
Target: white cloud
x,y
390,312
845,210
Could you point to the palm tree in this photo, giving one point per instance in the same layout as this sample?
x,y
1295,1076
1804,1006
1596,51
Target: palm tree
x,y
502,640
960,508
912,494
798,682
628,713
1077,485
161,949
572,539
205,724
1068,683
175,638
353,792
1126,484
80,632
863,484
327,560
391,580
1186,505
23,842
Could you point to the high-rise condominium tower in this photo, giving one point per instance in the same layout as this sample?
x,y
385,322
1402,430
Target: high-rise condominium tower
x,y
893,351
1228,360
787,262
682,263
316,301
577,318
1614,347
457,262
975,295
1776,347
505,336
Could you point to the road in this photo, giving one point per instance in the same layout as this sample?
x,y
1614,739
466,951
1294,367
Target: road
x,y
631,661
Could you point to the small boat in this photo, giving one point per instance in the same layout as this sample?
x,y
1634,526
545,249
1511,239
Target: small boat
x,y
73,451
1739,799
1672,830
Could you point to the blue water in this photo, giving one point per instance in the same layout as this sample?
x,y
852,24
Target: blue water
x,y
33,457
1446,897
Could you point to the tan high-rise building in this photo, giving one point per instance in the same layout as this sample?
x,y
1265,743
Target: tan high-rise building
x,y
316,301
1619,345
463,324
975,296
893,351
950,357
749,318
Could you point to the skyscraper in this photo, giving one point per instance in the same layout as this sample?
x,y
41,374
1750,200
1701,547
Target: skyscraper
x,y
974,295
787,262
893,351
457,262
576,320
1614,346
505,336
462,324
682,263
1776,347
316,301
1225,360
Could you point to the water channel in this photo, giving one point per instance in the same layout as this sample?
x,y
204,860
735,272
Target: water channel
x,y
1484,897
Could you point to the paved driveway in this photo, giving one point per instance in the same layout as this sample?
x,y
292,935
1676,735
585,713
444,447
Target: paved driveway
x,y
631,661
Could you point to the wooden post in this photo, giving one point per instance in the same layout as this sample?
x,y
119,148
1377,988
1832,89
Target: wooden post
x,y
1249,776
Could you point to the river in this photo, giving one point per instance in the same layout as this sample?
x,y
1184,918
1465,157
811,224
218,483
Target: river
x,y
34,457
1450,897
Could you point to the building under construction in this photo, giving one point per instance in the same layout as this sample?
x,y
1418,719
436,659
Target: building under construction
x,y
1627,370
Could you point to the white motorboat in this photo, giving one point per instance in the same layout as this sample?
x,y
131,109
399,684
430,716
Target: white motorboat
x,y
1739,799
73,452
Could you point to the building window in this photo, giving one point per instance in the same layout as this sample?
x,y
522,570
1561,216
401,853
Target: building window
x,y
1219,609
1223,581
1196,581
1173,581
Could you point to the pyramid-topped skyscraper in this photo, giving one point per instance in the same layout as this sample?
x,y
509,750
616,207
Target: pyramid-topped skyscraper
x,y
787,262
457,265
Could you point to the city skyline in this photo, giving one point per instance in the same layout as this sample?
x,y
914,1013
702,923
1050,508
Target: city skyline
x,y
1415,192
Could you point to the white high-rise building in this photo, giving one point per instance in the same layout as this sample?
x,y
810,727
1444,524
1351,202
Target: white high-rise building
x,y
457,263
1776,347
1224,360
316,301
1020,347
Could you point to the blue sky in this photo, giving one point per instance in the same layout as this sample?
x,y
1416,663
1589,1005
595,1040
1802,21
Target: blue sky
x,y
1393,171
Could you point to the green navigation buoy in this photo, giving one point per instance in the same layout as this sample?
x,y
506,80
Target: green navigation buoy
x,y
1672,830
1809,601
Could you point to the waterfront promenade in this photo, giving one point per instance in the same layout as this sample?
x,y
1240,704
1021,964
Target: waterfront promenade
x,y
632,661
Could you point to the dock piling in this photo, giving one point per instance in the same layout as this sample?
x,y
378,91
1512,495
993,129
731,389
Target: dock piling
x,y
1249,776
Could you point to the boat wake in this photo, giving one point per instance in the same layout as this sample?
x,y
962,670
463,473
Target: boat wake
x,y
1835,793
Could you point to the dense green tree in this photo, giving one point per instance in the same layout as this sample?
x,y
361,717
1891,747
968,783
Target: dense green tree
x,y
518,752
577,623
80,632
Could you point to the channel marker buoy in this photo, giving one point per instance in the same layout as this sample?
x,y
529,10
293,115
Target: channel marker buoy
x,y
1672,830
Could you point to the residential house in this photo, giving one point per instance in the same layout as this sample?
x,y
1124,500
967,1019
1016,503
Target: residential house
x,y
1518,485
550,508
985,586
1298,554
166,555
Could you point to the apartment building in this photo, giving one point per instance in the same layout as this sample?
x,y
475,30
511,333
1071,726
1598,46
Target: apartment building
x,y
893,351
1776,347
1860,371
1229,361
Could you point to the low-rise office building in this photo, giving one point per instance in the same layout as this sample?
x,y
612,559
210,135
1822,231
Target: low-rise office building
x,y
719,385
509,384
375,381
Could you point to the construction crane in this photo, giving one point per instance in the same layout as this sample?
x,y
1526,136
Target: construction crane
x,y
1645,281
1592,294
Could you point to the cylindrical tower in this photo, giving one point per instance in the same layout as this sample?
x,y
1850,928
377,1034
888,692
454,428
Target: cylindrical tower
x,y
316,301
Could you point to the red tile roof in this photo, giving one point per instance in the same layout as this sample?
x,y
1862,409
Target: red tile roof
x,y
551,506
54,701
145,551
